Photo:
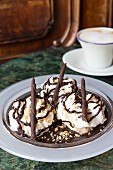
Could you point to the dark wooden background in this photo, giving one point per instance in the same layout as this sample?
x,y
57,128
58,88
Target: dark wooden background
x,y
30,25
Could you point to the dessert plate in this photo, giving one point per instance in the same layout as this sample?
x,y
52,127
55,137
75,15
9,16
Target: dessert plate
x,y
75,61
14,146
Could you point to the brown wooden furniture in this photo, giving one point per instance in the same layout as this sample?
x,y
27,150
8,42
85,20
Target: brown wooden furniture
x,y
29,25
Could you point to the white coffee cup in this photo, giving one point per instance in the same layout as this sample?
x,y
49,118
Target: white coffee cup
x,y
97,44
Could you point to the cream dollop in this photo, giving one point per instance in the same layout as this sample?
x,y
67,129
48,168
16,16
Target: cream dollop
x,y
69,110
22,110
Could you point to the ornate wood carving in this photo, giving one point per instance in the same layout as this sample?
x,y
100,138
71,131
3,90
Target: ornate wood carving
x,y
29,25
69,36
110,13
95,13
23,20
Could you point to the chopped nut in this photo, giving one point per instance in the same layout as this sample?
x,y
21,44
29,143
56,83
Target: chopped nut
x,y
89,133
59,137
56,129
77,135
100,130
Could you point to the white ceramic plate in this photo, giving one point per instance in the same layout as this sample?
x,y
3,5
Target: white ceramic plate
x,y
14,146
75,61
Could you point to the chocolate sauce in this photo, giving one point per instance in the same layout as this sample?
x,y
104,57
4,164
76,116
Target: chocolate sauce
x,y
59,135
77,100
58,132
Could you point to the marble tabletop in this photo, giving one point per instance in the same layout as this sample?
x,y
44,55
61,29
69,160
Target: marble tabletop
x,y
48,61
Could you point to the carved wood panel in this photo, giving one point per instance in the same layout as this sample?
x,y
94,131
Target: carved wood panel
x,y
24,19
49,22
96,13
69,35
30,25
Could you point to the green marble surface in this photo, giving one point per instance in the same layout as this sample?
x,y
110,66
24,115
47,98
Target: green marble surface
x,y
45,62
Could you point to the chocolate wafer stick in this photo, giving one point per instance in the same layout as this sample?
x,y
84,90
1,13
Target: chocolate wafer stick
x,y
83,94
56,92
33,107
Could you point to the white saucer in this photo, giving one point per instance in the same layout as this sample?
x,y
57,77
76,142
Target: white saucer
x,y
75,61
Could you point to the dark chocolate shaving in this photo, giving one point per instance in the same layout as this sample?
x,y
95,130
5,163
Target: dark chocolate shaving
x,y
59,83
83,94
33,108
